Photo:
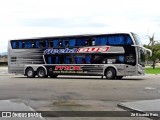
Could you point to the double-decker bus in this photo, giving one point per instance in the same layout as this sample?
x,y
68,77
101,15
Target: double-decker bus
x,y
110,55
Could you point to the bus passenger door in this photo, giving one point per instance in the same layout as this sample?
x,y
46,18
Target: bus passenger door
x,y
130,66
130,70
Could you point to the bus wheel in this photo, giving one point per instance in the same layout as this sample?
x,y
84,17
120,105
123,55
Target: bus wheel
x,y
110,73
53,76
119,77
41,73
30,73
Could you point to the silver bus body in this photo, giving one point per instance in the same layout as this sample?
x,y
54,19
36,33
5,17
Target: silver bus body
x,y
21,59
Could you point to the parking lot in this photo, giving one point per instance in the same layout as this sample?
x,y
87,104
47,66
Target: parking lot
x,y
78,92
80,88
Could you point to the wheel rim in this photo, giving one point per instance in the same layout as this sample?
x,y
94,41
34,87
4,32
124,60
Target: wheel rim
x,y
109,74
30,73
41,73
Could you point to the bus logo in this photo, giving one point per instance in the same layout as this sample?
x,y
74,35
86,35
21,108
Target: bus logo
x,y
93,49
75,68
78,50
59,51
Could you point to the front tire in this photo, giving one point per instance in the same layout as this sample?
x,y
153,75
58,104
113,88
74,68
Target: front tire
x,y
41,73
30,73
110,73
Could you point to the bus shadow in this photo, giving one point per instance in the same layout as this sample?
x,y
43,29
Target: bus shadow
x,y
133,79
82,78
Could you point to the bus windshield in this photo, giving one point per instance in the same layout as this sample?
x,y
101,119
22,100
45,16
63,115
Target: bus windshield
x,y
137,39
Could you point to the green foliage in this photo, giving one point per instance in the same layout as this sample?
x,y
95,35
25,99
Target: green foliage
x,y
155,52
155,47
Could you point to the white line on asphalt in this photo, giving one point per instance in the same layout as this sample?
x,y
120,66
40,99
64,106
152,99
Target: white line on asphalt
x,y
150,88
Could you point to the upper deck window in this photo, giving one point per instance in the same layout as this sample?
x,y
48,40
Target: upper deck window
x,y
100,40
43,43
20,44
129,40
56,43
28,44
72,42
37,44
116,40
14,44
80,42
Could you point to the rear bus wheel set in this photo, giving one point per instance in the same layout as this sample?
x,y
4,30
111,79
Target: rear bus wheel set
x,y
41,73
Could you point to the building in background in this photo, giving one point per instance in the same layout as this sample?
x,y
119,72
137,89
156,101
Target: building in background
x,y
3,58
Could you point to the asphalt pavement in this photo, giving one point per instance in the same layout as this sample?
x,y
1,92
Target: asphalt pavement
x,y
78,93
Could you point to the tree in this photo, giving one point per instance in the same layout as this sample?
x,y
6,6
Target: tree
x,y
155,47
151,40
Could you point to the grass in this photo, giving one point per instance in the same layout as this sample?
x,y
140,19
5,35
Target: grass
x,y
3,66
152,71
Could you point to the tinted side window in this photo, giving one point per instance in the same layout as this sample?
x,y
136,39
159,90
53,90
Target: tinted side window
x,y
56,43
67,59
81,42
100,40
78,60
14,44
23,44
52,59
65,43
129,40
37,44
20,44
28,44
43,43
72,42
98,60
121,59
116,40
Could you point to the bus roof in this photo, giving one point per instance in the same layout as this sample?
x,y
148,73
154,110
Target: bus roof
x,y
72,36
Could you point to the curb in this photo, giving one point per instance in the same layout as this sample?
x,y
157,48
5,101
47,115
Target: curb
x,y
132,110
152,74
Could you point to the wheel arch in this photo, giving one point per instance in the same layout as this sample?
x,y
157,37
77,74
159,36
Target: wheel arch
x,y
106,68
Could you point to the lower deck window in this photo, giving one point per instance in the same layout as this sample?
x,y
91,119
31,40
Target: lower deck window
x,y
87,59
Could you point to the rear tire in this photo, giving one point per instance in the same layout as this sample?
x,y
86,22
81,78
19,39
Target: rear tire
x,y
110,73
41,73
30,73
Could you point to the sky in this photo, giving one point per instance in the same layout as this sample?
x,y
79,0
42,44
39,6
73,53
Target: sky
x,y
21,19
